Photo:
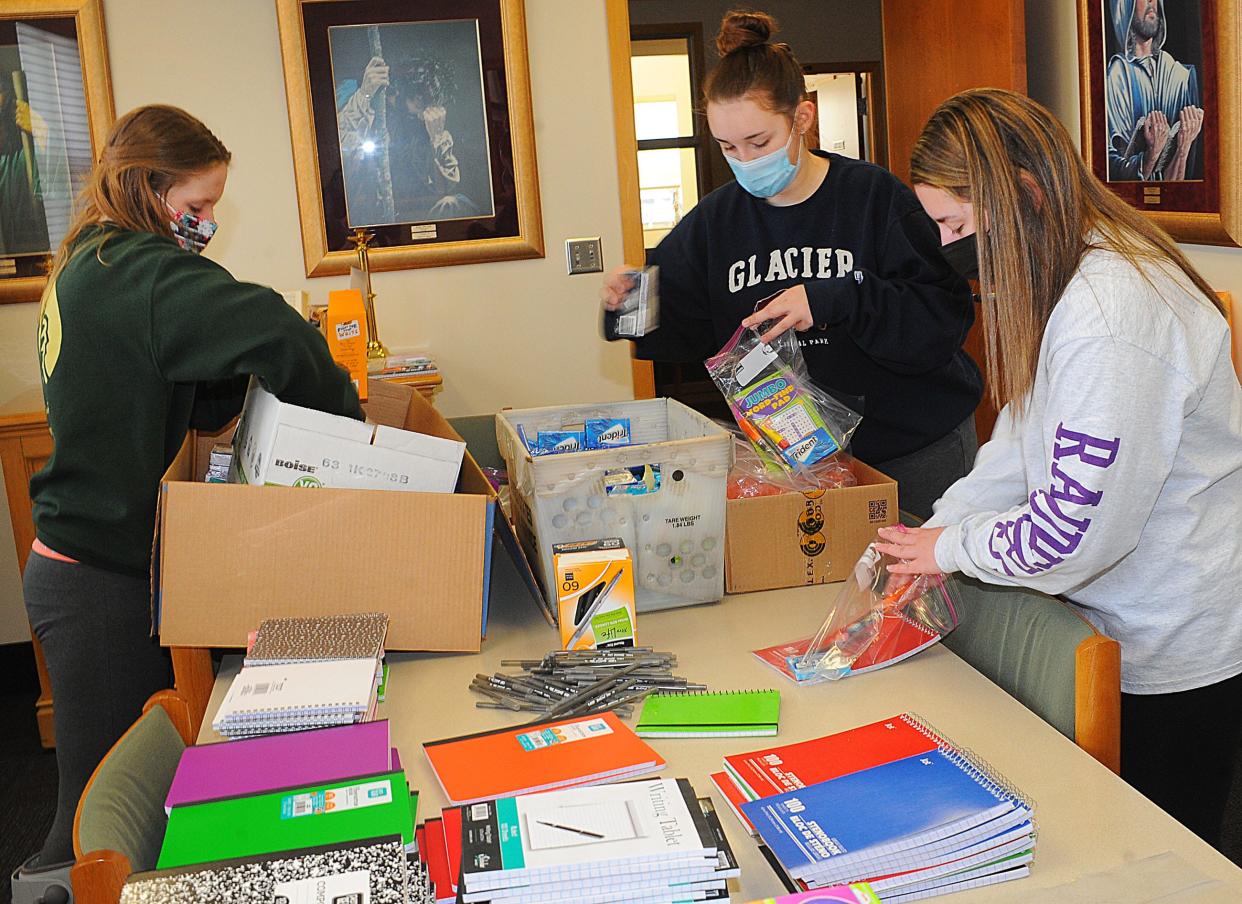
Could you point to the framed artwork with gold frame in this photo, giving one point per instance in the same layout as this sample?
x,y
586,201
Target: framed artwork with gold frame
x,y
55,112
1161,90
414,122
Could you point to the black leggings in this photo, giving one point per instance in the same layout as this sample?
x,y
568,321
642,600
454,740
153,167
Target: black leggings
x,y
95,628
1179,751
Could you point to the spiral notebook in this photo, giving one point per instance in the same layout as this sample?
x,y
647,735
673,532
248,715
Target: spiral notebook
x,y
297,694
895,811
710,714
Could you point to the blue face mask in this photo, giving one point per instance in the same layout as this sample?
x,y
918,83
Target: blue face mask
x,y
768,175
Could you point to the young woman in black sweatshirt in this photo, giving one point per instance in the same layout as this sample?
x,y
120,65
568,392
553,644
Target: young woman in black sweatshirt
x,y
881,315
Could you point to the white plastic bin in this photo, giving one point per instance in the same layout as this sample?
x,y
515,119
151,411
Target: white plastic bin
x,y
675,534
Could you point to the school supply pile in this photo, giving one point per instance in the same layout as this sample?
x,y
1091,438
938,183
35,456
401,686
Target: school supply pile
x,y
439,854
795,427
650,841
877,620
576,682
893,804
539,756
305,673
715,714
658,487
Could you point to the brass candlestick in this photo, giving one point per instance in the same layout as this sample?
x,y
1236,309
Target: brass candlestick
x,y
375,348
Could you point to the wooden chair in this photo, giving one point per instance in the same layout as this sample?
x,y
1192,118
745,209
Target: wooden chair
x,y
119,824
1045,654
1227,303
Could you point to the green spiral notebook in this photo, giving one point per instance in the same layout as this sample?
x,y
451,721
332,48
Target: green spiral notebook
x,y
710,714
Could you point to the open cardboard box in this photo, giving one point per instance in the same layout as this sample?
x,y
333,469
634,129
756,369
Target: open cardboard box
x,y
227,556
796,538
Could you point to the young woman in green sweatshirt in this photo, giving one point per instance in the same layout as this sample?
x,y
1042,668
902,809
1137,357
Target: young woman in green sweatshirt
x,y
140,339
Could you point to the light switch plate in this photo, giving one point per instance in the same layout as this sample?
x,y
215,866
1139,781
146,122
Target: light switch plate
x,y
583,256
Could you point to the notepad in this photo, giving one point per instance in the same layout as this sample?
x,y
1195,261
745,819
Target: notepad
x,y
712,714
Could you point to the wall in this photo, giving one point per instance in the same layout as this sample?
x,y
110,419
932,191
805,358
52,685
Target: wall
x,y
838,112
1052,79
819,31
518,333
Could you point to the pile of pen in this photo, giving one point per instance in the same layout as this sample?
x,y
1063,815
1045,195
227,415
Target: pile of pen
x,y
568,683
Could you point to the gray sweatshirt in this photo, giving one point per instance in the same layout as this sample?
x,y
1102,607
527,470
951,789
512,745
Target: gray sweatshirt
x,y
1120,484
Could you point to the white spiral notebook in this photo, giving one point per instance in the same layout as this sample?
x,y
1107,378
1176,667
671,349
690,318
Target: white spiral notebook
x,y
300,692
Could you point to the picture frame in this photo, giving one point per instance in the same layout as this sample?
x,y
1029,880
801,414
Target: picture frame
x,y
1187,58
56,109
414,122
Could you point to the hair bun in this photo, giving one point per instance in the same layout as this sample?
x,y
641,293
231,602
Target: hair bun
x,y
739,30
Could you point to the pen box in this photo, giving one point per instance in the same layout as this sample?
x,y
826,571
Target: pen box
x,y
595,594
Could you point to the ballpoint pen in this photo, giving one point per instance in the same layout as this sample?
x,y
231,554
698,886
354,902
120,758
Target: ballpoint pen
x,y
585,621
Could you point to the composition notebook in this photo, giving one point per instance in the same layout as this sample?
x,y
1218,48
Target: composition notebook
x,y
372,870
710,715
306,816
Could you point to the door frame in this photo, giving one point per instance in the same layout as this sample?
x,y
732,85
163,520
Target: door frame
x,y
873,78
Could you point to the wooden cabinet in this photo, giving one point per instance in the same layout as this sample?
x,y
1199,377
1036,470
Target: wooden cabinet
x,y
25,445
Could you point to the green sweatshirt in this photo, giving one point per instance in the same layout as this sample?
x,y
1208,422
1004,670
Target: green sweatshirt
x,y
138,342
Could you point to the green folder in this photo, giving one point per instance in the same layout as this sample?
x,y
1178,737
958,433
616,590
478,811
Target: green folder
x,y
710,715
310,816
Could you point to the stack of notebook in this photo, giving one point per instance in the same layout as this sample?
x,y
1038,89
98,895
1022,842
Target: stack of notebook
x,y
538,757
304,673
653,842
892,803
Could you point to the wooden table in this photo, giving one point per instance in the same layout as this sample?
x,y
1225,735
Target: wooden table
x,y
1088,819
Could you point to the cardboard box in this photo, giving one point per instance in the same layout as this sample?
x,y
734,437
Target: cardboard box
x,y
795,538
227,556
595,594
278,444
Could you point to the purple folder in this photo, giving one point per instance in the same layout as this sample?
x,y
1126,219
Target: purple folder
x,y
271,762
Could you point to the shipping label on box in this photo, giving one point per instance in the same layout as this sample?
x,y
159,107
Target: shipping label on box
x,y
805,538
278,444
595,594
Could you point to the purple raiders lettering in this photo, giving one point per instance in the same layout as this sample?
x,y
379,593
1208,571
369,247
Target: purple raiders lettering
x,y
1042,537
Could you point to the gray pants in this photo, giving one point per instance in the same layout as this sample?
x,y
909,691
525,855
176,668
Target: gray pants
x,y
923,476
94,626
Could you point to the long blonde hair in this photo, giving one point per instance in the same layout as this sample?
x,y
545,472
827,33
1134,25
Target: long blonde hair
x,y
1038,209
148,150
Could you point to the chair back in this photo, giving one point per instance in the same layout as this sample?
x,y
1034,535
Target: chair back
x,y
120,820
1226,301
1046,655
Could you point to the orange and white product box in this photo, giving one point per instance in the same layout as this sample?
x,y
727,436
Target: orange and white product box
x,y
595,594
346,331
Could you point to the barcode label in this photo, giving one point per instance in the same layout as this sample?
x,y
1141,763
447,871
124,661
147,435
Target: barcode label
x,y
877,510
479,812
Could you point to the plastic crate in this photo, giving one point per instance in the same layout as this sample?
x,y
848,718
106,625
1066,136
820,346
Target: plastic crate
x,y
675,534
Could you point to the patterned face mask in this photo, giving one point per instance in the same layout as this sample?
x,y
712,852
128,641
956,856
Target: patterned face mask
x,y
192,233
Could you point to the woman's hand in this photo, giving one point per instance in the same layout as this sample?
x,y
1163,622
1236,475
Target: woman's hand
x,y
617,282
913,547
790,310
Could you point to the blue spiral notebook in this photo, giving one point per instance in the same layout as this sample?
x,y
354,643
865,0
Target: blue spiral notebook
x,y
881,812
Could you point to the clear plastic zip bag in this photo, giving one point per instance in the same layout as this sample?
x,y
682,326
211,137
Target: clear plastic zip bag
x,y
793,425
877,619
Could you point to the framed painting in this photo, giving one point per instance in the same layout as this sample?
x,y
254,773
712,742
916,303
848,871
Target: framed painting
x,y
1160,85
55,113
413,122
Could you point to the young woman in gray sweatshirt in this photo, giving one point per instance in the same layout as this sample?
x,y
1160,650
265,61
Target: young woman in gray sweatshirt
x,y
1114,473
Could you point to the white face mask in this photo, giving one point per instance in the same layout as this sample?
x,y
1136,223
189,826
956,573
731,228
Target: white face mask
x,y
769,175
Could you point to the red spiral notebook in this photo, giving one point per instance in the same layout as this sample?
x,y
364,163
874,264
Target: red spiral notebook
x,y
583,750
775,770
